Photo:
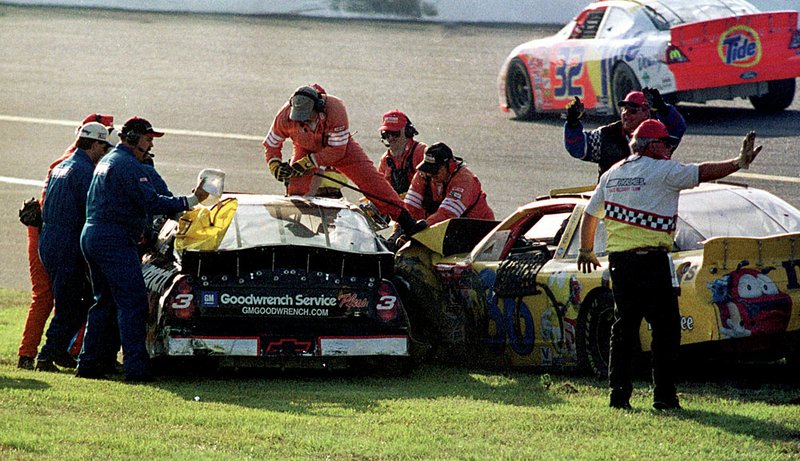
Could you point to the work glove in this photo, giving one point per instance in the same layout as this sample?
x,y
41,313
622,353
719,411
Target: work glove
x,y
30,214
281,170
409,225
574,112
587,261
655,100
304,165
748,152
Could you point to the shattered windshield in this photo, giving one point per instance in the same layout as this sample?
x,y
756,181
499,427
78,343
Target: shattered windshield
x,y
300,223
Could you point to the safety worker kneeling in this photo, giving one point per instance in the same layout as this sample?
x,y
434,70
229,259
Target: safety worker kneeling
x,y
444,188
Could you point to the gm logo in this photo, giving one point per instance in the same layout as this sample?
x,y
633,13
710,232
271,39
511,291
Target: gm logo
x,y
739,46
209,299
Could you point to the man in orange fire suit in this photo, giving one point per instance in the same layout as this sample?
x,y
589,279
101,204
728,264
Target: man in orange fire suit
x,y
445,188
41,291
399,164
318,126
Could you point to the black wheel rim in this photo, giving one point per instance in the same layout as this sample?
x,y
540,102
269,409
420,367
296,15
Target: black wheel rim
x,y
519,89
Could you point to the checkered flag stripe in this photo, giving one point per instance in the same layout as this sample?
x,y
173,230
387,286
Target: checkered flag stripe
x,y
640,218
593,144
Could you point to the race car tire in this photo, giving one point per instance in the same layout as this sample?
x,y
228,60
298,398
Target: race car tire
x,y
779,96
623,81
594,333
519,91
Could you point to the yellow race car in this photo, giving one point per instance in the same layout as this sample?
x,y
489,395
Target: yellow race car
x,y
510,293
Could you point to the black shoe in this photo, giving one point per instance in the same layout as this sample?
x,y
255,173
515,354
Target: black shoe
x,y
26,363
114,368
146,378
620,399
45,365
65,361
620,404
672,404
89,373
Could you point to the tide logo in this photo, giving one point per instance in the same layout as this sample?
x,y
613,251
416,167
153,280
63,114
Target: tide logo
x,y
740,46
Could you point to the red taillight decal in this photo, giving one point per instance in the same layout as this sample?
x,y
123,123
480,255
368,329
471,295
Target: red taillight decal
x,y
181,300
388,303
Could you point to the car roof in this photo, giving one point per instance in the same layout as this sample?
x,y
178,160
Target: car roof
x,y
585,192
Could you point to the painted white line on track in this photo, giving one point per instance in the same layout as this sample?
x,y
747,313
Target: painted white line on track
x,y
74,123
766,177
244,137
24,182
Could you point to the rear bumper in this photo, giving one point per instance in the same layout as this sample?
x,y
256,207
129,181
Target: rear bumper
x,y
256,346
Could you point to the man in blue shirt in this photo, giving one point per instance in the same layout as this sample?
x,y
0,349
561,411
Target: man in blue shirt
x,y
608,144
121,196
63,215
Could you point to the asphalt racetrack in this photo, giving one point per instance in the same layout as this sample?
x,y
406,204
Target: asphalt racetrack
x,y
214,83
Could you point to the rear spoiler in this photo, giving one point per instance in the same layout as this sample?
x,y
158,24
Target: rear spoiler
x,y
724,254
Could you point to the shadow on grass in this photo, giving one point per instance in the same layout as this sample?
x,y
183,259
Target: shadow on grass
x,y
20,383
738,424
300,391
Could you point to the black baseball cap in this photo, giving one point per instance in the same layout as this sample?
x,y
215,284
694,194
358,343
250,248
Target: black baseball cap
x,y
436,155
136,125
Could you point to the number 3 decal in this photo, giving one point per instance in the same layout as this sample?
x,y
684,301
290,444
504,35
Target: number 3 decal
x,y
182,301
386,303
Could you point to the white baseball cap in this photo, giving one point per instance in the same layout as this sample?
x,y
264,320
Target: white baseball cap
x,y
95,130
113,136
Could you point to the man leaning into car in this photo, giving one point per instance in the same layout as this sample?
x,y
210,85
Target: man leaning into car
x,y
608,144
317,124
638,200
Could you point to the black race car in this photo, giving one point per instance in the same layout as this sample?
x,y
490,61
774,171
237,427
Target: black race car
x,y
273,281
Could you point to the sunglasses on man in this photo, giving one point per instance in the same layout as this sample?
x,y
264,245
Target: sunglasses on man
x,y
390,134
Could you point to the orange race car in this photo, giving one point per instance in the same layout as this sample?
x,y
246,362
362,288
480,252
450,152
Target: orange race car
x,y
692,51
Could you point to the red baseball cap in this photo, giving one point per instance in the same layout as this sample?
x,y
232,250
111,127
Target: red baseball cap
x,y
103,119
635,99
653,129
394,120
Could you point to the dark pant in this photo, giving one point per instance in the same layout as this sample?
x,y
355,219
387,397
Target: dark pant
x,y
119,313
642,286
61,256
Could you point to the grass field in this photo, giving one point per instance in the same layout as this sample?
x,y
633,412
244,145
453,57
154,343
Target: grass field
x,y
437,412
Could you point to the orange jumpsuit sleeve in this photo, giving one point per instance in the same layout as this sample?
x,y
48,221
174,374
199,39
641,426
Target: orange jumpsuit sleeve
x,y
278,132
415,196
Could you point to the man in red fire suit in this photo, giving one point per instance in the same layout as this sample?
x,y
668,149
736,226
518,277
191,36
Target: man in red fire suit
x,y
318,126
399,163
445,188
